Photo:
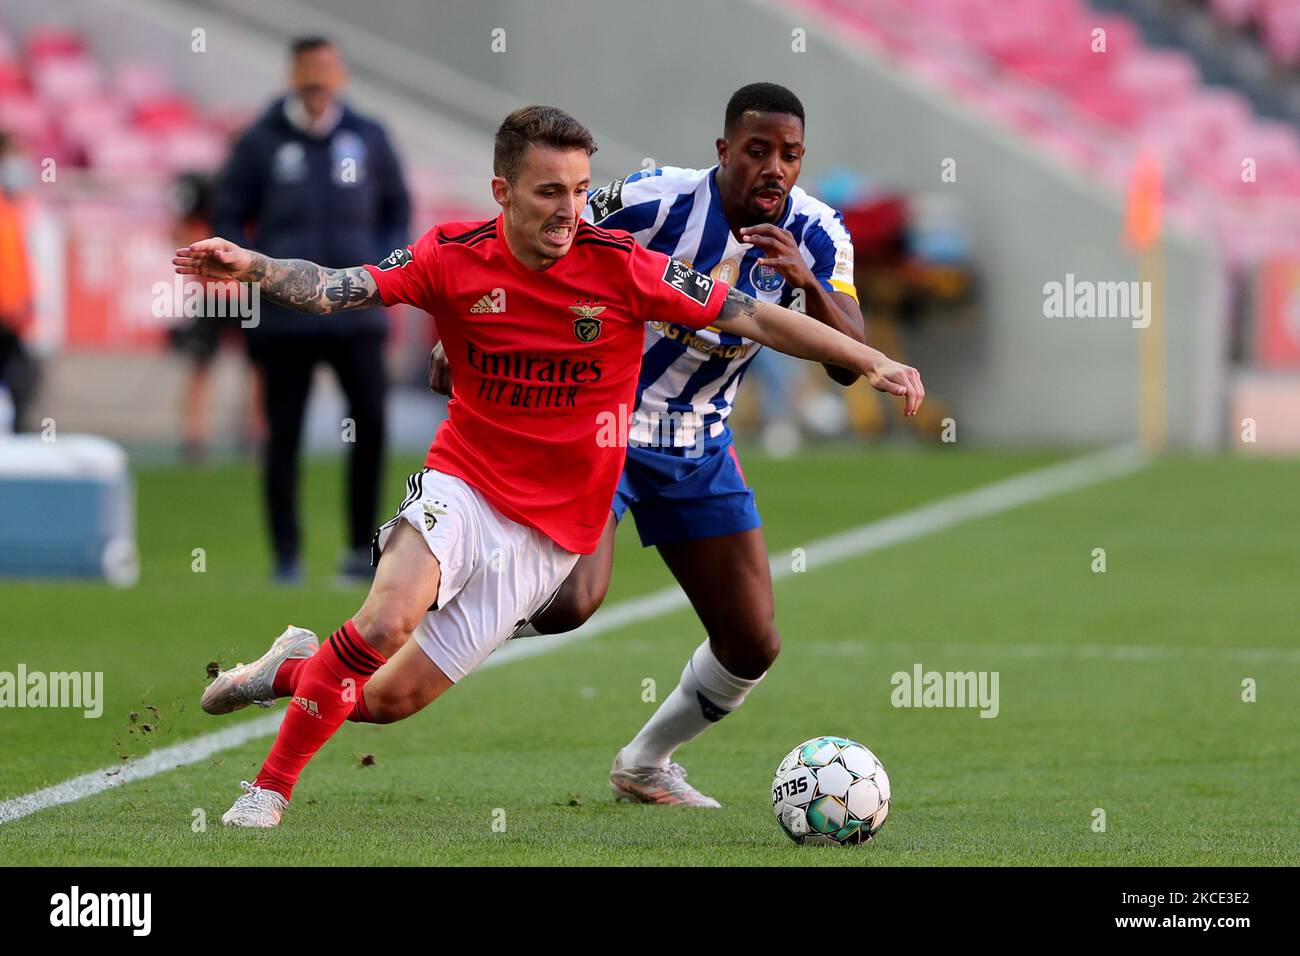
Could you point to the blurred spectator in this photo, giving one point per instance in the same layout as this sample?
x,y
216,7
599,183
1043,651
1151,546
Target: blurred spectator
x,y
18,369
313,179
200,339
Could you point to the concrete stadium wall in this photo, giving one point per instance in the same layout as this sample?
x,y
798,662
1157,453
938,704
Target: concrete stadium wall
x,y
656,76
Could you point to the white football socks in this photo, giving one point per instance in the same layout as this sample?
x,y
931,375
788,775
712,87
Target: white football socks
x,y
707,693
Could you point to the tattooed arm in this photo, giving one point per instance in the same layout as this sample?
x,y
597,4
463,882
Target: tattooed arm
x,y
307,287
294,283
804,337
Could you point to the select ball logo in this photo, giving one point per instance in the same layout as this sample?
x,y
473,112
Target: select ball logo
x,y
830,790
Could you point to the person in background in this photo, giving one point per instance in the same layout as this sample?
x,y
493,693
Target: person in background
x,y
200,339
19,373
314,179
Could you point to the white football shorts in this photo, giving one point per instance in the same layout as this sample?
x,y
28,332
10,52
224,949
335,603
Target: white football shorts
x,y
496,573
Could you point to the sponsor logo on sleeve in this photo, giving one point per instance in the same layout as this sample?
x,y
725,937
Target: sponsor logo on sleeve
x,y
692,284
843,270
607,200
397,259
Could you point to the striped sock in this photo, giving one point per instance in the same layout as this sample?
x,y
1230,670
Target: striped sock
x,y
328,687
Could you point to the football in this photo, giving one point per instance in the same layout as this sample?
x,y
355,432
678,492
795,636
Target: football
x,y
830,790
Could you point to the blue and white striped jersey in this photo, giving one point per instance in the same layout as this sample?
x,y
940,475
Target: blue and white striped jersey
x,y
689,378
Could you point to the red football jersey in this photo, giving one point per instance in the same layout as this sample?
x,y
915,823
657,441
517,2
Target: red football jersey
x,y
542,362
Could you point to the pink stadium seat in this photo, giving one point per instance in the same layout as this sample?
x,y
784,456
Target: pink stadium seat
x,y
1030,65
191,149
24,115
12,78
1110,105
125,153
1281,28
1158,77
53,42
139,81
1122,36
164,113
1235,12
63,79
1276,151
1202,125
89,120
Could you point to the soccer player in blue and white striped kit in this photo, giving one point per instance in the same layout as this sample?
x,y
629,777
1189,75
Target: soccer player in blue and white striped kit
x,y
743,221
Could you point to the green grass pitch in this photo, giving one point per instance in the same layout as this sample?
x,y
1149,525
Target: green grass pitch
x,y
1119,690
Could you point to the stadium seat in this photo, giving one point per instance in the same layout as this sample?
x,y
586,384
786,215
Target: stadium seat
x,y
24,115
1236,13
66,79
1030,65
137,82
164,113
1281,28
191,149
92,120
126,152
45,43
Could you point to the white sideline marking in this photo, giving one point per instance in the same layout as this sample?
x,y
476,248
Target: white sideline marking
x,y
982,502
965,506
1082,652
155,762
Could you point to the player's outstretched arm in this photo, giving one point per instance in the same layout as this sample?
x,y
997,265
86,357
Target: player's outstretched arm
x,y
294,283
804,337
837,309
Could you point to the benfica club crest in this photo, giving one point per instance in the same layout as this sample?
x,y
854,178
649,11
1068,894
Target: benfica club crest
x,y
586,327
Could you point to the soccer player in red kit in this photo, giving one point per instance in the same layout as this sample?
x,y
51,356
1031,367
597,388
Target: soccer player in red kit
x,y
541,316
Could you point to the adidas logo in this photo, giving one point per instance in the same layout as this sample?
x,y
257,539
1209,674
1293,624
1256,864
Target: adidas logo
x,y
308,705
485,304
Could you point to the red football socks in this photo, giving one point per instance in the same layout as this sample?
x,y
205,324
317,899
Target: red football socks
x,y
360,715
286,678
328,686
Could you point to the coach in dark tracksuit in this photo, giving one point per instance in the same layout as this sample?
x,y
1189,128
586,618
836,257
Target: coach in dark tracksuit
x,y
312,179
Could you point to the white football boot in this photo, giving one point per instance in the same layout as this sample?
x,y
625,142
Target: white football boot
x,y
246,684
663,785
258,807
